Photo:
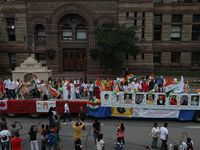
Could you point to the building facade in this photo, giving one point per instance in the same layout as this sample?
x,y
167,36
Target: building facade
x,y
60,33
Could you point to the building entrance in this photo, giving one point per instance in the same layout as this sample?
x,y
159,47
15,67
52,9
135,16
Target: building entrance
x,y
74,60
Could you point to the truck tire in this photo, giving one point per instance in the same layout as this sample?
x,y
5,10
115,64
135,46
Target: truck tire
x,y
34,115
12,115
197,116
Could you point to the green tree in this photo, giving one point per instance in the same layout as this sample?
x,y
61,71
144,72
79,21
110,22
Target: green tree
x,y
113,42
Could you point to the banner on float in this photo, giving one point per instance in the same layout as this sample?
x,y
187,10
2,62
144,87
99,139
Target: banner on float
x,y
44,106
121,112
155,113
177,101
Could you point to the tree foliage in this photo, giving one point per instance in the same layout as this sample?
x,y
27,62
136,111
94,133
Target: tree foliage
x,y
113,42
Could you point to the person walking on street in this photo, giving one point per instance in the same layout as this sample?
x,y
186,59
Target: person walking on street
x,y
16,142
121,131
100,142
3,123
155,131
33,137
77,130
82,115
50,117
49,140
186,145
97,130
15,129
164,135
78,145
5,138
66,112
57,124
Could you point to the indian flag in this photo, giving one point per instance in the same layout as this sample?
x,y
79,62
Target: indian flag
x,y
54,92
20,85
129,76
97,83
132,78
34,80
168,89
29,91
92,106
150,134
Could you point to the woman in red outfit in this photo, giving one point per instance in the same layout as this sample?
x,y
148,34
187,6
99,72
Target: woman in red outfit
x,y
173,101
16,142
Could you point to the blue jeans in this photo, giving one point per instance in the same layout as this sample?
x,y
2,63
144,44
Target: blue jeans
x,y
77,96
11,93
67,115
91,94
154,142
51,122
5,144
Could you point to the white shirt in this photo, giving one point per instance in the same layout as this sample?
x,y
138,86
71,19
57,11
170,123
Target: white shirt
x,y
134,85
85,86
91,87
6,82
66,108
100,144
72,86
77,89
76,82
11,85
185,145
156,130
4,133
163,133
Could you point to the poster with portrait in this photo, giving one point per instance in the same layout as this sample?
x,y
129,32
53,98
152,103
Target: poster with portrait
x,y
160,100
184,99
118,99
128,100
150,100
106,98
139,100
121,111
173,101
194,101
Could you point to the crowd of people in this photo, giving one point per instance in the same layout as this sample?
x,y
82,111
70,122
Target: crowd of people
x,y
50,134
78,88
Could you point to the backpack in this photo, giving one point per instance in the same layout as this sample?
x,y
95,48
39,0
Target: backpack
x,y
190,147
118,146
50,139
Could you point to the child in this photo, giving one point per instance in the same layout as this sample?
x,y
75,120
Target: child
x,y
91,90
77,91
42,134
118,145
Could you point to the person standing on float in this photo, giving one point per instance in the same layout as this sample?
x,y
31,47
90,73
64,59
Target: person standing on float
x,y
72,88
65,90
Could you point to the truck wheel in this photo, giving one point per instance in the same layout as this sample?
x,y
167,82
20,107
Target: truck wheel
x,y
12,115
34,115
197,116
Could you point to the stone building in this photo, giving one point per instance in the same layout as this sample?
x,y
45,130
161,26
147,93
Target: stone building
x,y
168,32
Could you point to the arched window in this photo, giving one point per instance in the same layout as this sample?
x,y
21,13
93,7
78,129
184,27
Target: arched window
x,y
66,32
81,32
40,32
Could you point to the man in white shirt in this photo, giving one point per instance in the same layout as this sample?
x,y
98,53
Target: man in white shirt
x,y
6,82
66,112
91,89
164,135
5,138
188,143
11,88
